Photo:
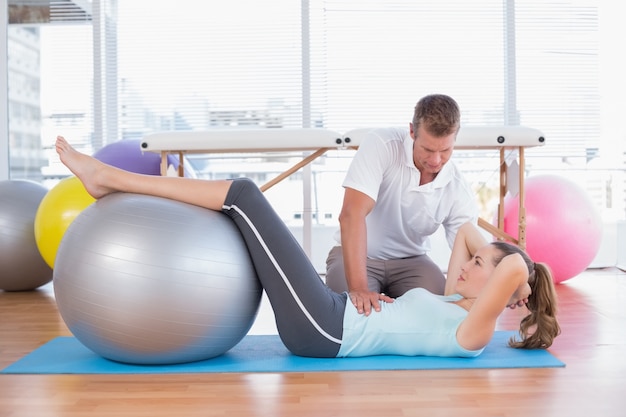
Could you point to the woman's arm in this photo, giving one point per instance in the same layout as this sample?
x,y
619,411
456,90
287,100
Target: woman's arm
x,y
508,278
467,241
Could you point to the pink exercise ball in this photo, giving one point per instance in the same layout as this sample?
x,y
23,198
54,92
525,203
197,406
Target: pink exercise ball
x,y
563,227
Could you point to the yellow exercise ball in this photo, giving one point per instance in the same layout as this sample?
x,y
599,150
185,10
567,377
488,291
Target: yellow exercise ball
x,y
57,210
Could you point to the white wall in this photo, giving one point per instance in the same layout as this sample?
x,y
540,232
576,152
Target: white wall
x,y
607,254
621,245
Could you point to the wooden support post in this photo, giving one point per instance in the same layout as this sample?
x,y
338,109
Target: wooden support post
x,y
294,168
521,239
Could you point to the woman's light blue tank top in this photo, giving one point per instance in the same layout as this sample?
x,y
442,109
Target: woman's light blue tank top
x,y
418,323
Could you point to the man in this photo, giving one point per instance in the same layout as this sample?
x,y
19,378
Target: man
x,y
399,189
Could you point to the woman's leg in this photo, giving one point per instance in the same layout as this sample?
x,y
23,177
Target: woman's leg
x,y
101,179
309,315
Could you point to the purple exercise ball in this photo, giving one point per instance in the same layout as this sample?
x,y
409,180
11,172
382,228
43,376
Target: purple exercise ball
x,y
128,155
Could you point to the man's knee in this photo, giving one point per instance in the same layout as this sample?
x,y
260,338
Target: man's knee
x,y
433,280
416,272
335,271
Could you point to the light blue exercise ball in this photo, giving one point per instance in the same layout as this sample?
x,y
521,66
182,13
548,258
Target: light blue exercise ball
x,y
146,280
22,268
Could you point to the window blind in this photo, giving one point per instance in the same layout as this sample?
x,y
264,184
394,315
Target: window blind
x,y
340,64
188,65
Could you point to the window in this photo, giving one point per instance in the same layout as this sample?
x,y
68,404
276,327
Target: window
x,y
113,70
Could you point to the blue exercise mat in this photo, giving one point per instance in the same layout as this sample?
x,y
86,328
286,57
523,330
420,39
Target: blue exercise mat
x,y
266,353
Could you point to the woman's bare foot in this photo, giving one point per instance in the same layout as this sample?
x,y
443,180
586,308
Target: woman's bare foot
x,y
89,170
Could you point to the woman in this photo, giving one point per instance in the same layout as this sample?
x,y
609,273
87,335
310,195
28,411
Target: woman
x,y
312,320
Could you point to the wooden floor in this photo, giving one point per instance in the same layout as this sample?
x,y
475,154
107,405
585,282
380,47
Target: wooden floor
x,y
593,384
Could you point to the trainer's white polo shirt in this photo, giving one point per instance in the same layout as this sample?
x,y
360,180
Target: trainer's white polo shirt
x,y
405,213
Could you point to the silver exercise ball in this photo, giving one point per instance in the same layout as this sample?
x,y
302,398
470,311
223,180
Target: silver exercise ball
x,y
22,267
146,280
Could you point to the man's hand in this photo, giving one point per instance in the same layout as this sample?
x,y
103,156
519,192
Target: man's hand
x,y
364,300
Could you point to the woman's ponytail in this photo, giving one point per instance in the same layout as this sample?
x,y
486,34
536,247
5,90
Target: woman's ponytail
x,y
539,329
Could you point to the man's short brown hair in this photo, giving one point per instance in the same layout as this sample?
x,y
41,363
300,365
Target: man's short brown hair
x,y
439,114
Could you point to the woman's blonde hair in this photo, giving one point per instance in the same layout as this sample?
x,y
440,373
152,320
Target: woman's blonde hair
x,y
539,328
